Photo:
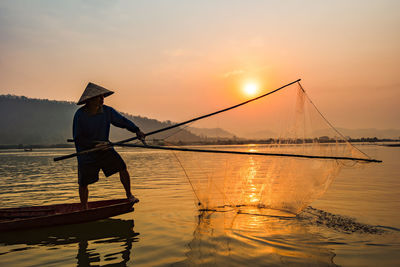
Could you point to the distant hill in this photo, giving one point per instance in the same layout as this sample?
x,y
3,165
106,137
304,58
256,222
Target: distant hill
x,y
211,132
353,133
40,121
261,134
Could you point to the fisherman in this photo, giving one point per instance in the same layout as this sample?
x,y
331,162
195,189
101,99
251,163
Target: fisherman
x,y
91,128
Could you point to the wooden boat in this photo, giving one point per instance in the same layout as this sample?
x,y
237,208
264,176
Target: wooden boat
x,y
61,214
392,145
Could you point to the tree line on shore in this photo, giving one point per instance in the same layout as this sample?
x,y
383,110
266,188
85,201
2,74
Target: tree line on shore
x,y
43,122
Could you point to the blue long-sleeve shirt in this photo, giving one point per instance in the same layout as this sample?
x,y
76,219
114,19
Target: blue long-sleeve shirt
x,y
89,128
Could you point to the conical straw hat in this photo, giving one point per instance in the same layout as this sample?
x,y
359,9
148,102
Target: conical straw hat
x,y
93,90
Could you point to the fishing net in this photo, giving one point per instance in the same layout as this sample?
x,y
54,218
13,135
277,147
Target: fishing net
x,y
306,154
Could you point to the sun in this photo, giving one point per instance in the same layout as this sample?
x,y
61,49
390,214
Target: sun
x,y
250,89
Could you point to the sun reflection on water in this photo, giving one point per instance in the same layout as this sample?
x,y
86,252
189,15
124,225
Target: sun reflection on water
x,y
228,238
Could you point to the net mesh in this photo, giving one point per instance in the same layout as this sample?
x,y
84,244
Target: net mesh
x,y
286,122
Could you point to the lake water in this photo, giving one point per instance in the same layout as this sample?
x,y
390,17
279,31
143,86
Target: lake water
x,y
355,223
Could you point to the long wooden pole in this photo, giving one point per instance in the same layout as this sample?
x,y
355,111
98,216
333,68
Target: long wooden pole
x,y
247,153
176,125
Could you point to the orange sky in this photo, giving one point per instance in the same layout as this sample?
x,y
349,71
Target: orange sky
x,y
174,60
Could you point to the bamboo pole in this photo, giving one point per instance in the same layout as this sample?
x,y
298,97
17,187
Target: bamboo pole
x,y
246,153
175,125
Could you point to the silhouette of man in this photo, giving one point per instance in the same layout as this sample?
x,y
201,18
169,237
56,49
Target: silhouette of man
x,y
91,128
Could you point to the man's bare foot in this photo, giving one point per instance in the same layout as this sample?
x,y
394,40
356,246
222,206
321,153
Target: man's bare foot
x,y
133,199
84,206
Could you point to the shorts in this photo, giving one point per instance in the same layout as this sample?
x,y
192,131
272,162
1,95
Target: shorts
x,y
109,161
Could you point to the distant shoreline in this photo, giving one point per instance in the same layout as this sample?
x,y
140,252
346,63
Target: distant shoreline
x,y
363,141
29,147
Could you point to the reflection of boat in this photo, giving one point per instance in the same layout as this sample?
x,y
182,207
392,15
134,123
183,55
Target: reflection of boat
x,y
93,239
111,229
40,216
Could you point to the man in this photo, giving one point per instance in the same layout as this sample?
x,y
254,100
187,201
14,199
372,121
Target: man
x,y
91,128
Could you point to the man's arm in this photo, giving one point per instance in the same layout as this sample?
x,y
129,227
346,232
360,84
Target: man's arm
x,y
120,121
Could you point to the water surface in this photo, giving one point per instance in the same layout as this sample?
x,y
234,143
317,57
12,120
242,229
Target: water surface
x,y
356,223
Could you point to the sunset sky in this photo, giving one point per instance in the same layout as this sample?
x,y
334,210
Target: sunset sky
x,y
174,60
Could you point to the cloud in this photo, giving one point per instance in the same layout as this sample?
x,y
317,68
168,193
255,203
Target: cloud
x,y
233,73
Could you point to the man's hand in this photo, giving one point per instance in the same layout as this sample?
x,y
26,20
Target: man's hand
x,y
103,145
141,136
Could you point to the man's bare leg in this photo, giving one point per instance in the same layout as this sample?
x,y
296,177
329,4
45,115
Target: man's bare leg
x,y
126,182
84,195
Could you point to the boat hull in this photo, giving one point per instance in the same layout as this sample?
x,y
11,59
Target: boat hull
x,y
61,214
